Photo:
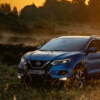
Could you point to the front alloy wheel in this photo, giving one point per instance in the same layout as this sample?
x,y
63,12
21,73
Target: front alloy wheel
x,y
79,77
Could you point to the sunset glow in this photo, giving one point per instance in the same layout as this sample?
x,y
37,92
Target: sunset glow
x,y
22,3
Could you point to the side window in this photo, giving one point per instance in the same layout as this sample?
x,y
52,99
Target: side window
x,y
94,43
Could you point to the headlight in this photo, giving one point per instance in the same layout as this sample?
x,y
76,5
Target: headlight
x,y
59,62
23,60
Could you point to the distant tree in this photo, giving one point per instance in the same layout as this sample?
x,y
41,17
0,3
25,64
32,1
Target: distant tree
x,y
60,9
2,7
80,10
94,9
77,1
29,12
15,10
5,8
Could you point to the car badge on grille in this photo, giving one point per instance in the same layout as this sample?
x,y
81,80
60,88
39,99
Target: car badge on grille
x,y
38,63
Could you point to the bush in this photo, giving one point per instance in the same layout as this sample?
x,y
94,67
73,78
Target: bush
x,y
13,53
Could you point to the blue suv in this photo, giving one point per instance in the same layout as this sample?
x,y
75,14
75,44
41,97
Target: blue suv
x,y
62,58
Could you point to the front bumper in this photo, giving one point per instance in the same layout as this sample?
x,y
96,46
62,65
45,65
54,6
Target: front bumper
x,y
51,74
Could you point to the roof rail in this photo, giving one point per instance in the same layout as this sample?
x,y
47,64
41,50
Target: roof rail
x,y
94,36
61,35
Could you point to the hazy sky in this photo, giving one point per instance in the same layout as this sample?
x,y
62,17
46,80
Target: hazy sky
x,y
21,3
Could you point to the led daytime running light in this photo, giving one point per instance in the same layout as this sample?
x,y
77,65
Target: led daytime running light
x,y
59,62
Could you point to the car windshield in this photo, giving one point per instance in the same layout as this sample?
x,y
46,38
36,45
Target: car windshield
x,y
65,44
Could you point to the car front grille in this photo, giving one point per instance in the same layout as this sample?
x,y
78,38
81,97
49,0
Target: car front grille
x,y
37,63
32,67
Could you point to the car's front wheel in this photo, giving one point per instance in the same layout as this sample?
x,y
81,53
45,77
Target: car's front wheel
x,y
79,76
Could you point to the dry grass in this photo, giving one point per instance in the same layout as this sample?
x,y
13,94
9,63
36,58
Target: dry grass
x,y
12,89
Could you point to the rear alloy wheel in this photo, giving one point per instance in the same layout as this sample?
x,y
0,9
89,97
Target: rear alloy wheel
x,y
79,77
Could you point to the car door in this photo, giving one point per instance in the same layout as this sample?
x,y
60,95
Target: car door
x,y
94,58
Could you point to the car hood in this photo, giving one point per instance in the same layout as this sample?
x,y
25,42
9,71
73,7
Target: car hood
x,y
50,55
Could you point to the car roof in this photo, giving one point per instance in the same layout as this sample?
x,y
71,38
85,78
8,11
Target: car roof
x,y
86,37
74,37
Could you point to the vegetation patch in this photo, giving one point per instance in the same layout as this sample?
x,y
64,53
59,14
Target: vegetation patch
x,y
12,53
12,88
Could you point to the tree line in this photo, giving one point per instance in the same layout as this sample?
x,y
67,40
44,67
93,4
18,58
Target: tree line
x,y
52,10
63,10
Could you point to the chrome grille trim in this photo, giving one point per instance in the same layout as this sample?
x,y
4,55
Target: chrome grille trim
x,y
39,67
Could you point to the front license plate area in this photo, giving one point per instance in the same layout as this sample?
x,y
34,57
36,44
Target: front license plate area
x,y
37,72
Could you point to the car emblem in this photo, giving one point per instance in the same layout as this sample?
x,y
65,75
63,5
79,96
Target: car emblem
x,y
38,63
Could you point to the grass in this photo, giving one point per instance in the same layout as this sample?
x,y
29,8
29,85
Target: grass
x,y
12,89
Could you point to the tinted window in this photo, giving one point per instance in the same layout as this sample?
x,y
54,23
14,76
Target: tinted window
x,y
65,44
94,43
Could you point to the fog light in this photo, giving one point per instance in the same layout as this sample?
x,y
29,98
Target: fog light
x,y
19,77
63,79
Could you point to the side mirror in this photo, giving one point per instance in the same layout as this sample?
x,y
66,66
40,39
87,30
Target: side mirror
x,y
93,50
39,47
